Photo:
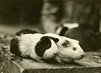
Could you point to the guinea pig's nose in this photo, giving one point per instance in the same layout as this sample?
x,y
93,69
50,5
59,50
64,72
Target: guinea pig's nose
x,y
82,56
55,54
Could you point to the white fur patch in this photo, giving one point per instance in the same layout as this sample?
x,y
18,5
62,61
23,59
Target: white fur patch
x,y
71,25
27,44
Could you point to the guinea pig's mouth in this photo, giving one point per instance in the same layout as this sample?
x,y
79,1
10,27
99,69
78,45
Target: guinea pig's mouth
x,y
81,57
68,58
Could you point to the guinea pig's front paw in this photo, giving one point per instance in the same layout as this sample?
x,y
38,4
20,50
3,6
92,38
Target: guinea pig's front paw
x,y
59,61
40,61
13,58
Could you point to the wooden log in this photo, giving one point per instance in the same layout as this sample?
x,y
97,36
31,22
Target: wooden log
x,y
90,64
10,67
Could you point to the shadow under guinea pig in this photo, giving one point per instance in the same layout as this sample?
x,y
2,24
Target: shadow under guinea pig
x,y
89,40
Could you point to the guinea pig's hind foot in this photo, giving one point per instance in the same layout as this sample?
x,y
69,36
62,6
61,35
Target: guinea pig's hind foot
x,y
13,57
17,59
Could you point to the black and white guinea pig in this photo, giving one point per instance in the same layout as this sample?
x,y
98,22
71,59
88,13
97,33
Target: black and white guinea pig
x,y
89,40
69,49
64,27
35,46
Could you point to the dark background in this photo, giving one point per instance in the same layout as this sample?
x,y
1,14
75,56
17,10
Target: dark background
x,y
29,12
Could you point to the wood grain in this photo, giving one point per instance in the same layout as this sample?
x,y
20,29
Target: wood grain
x,y
90,64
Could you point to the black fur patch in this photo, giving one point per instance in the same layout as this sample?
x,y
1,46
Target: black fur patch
x,y
42,46
64,29
54,39
14,47
26,31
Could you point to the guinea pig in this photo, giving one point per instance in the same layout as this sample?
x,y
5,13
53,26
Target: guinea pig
x,y
64,27
69,49
89,40
35,46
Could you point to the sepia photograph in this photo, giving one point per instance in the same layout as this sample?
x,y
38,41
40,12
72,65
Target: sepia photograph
x,y
50,36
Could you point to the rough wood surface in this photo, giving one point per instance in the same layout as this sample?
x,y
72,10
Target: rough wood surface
x,y
90,64
10,67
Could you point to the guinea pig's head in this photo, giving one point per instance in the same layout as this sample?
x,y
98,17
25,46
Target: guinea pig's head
x,y
46,48
69,49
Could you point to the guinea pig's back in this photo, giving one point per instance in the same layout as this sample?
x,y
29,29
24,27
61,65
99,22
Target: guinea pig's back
x,y
26,31
29,40
24,44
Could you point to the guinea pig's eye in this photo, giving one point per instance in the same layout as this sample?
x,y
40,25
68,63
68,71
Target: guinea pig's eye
x,y
65,44
74,48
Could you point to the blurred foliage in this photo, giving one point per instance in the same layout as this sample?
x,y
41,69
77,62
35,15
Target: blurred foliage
x,y
4,48
86,13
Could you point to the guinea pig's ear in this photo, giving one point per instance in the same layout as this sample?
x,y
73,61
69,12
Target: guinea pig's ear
x,y
42,45
54,39
44,39
64,29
